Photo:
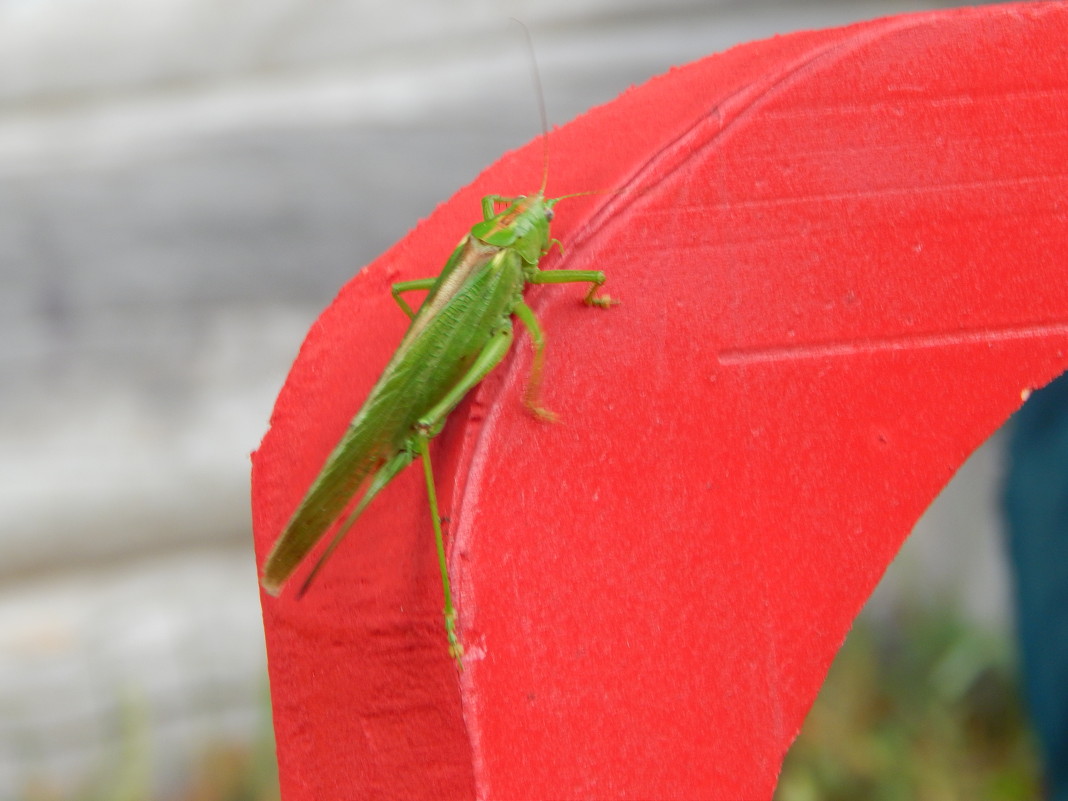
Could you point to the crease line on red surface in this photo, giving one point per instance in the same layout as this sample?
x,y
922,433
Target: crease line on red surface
x,y
935,339
916,96
919,188
688,144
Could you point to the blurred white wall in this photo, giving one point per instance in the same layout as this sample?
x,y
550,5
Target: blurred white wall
x,y
184,184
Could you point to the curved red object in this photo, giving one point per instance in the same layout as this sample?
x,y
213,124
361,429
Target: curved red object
x,y
841,261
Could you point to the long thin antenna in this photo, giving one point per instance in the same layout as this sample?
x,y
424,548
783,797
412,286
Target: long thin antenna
x,y
536,76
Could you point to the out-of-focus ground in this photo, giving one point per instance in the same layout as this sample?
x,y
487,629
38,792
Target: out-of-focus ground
x,y
184,184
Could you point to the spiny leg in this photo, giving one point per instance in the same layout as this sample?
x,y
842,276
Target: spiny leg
x,y
595,278
537,339
456,650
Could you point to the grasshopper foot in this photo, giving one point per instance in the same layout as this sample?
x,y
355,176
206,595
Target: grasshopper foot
x,y
456,649
543,414
601,301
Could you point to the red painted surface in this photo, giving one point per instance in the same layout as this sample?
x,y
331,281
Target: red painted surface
x,y
841,259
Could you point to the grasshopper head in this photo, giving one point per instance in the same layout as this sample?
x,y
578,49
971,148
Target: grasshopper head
x,y
523,225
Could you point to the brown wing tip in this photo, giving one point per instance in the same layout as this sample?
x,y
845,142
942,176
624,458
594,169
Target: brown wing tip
x,y
272,586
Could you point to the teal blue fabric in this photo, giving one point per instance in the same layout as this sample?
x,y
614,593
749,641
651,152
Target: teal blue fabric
x,y
1036,510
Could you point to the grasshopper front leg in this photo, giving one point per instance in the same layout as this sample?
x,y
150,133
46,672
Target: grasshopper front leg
x,y
489,203
595,278
410,286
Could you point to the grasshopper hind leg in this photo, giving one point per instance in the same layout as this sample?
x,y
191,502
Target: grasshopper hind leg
x,y
427,427
386,473
456,649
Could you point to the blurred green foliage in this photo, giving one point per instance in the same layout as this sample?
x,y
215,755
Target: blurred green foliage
x,y
224,771
924,710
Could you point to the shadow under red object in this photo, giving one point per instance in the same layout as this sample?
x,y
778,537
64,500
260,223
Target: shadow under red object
x,y
841,258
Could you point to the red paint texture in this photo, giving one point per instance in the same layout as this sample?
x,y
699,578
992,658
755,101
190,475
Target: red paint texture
x,y
840,257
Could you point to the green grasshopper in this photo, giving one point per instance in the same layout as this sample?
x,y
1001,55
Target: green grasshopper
x,y
462,330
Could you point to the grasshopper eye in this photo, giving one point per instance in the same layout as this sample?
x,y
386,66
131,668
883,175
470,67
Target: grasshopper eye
x,y
549,214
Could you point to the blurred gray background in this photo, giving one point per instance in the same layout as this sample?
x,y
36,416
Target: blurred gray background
x,y
184,184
